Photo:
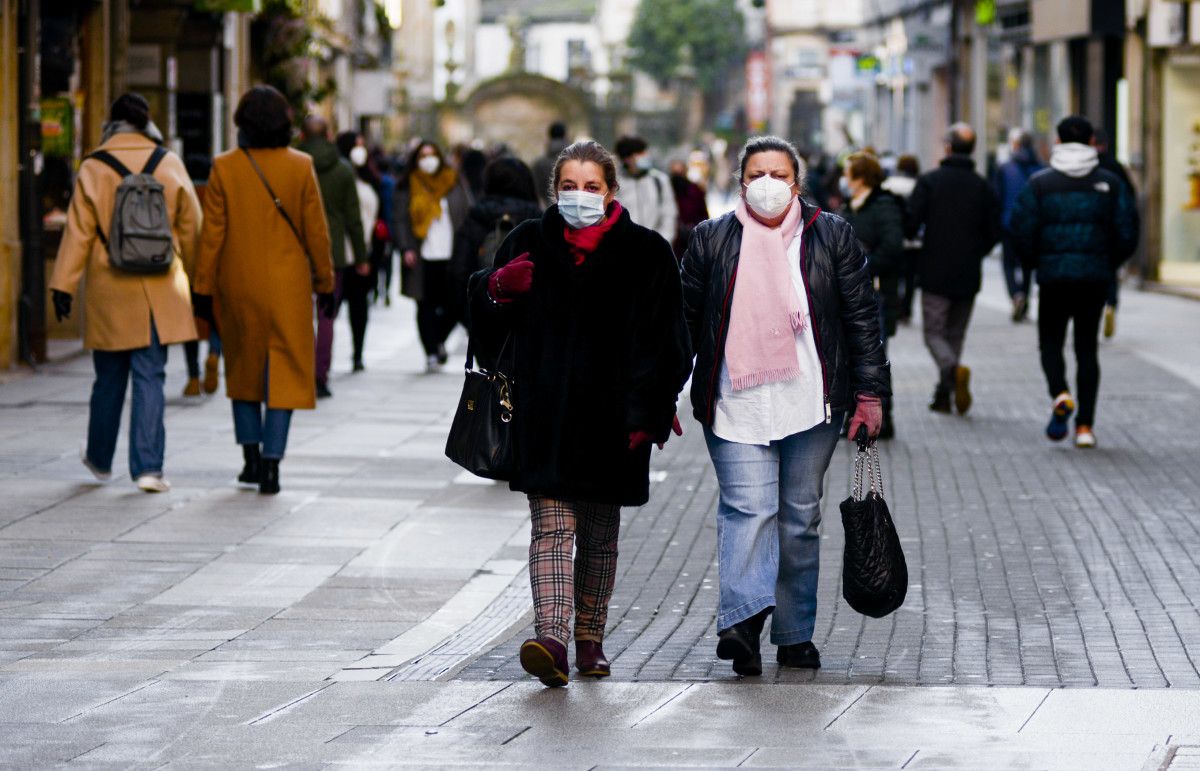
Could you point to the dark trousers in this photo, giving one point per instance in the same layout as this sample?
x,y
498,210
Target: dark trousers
x,y
1083,304
908,280
945,321
356,292
1016,278
191,352
436,313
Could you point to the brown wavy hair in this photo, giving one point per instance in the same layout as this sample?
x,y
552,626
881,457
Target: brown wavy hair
x,y
585,151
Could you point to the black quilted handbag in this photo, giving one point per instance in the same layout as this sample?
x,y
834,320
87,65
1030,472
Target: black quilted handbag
x,y
481,436
874,573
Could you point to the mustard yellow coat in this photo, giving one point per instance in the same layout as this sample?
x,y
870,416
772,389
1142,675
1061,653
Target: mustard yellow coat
x,y
118,306
264,283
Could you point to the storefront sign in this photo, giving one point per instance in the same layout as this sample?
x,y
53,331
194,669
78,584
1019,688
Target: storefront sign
x,y
58,123
1164,24
758,90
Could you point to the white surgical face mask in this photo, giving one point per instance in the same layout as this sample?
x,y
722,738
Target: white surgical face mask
x,y
358,155
429,164
695,175
844,188
643,162
769,197
580,208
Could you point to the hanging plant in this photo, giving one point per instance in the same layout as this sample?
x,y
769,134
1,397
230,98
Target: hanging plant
x,y
288,44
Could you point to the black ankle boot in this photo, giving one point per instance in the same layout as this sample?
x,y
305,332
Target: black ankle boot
x,y
740,644
269,483
252,470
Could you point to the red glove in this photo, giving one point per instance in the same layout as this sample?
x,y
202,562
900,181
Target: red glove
x,y
869,413
638,438
676,426
512,281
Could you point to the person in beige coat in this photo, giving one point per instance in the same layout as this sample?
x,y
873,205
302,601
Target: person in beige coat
x,y
131,318
264,265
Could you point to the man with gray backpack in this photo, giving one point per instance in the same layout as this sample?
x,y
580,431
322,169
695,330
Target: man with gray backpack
x,y
131,233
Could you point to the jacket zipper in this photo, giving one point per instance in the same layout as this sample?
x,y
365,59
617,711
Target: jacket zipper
x,y
813,319
712,382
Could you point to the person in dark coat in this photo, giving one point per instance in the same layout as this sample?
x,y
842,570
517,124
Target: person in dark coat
x,y
1075,223
1010,180
543,167
961,220
692,202
509,198
592,304
901,184
430,206
877,217
785,325
1109,162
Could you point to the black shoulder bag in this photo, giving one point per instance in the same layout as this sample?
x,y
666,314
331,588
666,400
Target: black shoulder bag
x,y
481,436
874,573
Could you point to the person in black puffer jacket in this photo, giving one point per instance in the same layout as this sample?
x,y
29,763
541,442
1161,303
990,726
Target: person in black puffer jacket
x,y
509,198
785,325
590,303
1075,223
877,217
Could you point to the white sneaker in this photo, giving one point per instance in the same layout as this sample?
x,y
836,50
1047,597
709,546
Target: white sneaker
x,y
153,483
102,476
1084,438
432,365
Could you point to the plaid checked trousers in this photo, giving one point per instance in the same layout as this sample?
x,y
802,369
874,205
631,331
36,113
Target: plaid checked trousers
x,y
584,584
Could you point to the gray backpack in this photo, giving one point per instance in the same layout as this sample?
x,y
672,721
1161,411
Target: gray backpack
x,y
139,236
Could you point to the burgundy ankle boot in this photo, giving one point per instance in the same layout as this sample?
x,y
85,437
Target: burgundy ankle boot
x,y
590,659
546,659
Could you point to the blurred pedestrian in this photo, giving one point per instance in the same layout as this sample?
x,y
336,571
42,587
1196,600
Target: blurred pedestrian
x,y
383,258
901,184
877,218
199,167
357,281
339,194
131,316
1109,162
692,201
260,265
646,192
785,326
1011,178
509,198
1075,223
543,167
961,220
592,303
430,207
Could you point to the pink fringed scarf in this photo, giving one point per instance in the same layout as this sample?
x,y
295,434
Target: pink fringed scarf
x,y
766,314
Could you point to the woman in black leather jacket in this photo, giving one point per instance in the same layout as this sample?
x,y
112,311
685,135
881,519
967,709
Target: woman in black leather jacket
x,y
770,402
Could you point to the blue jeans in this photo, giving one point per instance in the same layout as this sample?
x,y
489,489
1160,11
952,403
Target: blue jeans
x,y
251,426
147,435
768,519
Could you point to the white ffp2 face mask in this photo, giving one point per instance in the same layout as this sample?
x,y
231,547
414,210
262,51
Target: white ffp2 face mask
x,y
429,164
580,208
769,197
358,155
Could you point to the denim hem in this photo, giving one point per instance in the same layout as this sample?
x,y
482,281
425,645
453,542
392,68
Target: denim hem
x,y
744,611
792,638
157,472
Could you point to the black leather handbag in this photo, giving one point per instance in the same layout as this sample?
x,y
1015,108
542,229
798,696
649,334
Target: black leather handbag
x,y
481,436
874,572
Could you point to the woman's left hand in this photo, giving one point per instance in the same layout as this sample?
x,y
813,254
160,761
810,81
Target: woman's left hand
x,y
869,413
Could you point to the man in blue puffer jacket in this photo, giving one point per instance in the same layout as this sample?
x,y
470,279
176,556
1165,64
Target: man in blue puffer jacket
x,y
1075,223
1010,179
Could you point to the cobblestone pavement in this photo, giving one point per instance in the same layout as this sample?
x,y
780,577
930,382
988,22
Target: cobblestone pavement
x,y
1030,563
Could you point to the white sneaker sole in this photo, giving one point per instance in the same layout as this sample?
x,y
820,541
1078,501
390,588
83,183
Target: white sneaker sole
x,y
148,483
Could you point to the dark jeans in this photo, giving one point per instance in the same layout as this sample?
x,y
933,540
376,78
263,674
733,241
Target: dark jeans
x,y
1083,304
252,426
356,291
908,281
383,261
147,435
1016,278
191,352
436,313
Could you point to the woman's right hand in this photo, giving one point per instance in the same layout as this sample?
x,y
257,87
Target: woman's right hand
x,y
410,258
513,280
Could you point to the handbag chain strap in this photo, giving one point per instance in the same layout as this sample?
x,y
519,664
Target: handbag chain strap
x,y
867,460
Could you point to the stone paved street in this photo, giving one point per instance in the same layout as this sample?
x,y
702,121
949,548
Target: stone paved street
x,y
369,615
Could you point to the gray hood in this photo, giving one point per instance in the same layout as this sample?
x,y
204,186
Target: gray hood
x,y
1074,159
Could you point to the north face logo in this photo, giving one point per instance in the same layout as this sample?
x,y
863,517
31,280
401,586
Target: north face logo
x,y
1101,187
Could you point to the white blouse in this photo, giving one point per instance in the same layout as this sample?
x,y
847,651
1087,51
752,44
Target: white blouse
x,y
773,411
439,241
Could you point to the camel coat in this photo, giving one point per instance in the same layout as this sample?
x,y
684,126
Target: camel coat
x,y
118,306
261,277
